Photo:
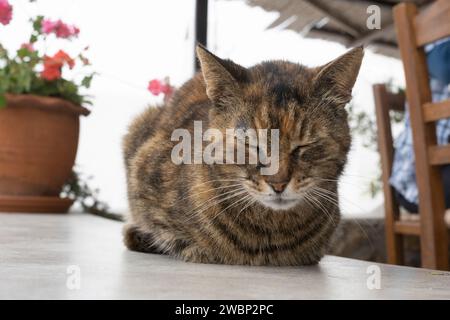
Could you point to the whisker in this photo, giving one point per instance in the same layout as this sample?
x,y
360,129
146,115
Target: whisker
x,y
249,202
322,207
356,221
338,181
194,212
357,176
229,207
341,197
209,190
213,198
219,180
220,195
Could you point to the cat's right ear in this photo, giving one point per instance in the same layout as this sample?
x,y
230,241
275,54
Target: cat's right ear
x,y
338,76
221,77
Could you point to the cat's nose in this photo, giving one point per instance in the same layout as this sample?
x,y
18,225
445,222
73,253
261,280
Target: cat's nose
x,y
278,187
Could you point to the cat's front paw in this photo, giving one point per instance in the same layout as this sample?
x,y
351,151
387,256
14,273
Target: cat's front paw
x,y
138,240
196,255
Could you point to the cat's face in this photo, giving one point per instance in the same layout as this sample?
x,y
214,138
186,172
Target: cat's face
x,y
305,105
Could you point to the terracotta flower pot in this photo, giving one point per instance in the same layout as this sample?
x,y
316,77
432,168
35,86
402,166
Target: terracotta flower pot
x,y
38,145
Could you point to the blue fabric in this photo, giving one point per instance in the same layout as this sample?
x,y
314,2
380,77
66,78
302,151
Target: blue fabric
x,y
403,177
438,60
413,207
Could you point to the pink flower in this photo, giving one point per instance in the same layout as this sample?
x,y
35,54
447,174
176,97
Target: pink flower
x,y
59,28
27,46
5,12
167,89
85,60
48,26
155,86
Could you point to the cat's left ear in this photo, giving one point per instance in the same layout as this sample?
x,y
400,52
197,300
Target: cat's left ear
x,y
339,76
221,77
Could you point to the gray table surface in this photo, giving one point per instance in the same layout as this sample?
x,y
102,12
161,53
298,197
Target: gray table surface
x,y
42,255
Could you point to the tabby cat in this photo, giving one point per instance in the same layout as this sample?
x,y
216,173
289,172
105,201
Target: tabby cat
x,y
231,213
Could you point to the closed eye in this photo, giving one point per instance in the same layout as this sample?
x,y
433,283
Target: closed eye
x,y
301,147
256,149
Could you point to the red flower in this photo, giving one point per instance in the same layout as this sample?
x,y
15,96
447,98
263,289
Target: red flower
x,y
5,12
64,58
53,65
51,72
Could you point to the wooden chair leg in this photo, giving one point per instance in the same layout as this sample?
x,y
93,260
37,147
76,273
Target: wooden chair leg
x,y
434,236
394,243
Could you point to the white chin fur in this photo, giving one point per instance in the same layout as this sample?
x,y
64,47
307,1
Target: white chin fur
x,y
280,205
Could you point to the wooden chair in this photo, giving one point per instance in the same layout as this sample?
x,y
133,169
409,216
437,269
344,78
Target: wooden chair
x,y
415,30
394,227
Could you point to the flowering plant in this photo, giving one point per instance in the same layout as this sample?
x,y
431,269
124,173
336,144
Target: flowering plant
x,y
157,87
5,12
32,71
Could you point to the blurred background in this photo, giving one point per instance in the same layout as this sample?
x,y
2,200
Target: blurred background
x,y
135,41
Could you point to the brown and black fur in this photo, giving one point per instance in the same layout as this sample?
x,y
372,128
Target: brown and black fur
x,y
168,201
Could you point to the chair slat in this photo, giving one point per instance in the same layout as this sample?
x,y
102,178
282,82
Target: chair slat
x,y
439,155
396,101
433,23
436,111
407,227
385,101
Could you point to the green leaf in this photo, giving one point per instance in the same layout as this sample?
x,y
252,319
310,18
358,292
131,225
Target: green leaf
x,y
33,38
2,101
86,82
37,24
3,53
23,52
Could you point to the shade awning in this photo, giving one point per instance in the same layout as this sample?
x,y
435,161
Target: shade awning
x,y
343,21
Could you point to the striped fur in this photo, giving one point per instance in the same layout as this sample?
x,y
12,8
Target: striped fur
x,y
209,213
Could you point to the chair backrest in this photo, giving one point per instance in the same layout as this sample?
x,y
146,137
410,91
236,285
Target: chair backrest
x,y
385,101
414,31
433,23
